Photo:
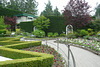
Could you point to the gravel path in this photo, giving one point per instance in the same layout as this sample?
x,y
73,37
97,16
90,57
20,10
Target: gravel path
x,y
82,57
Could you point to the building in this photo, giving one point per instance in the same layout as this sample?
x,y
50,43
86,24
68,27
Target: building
x,y
25,17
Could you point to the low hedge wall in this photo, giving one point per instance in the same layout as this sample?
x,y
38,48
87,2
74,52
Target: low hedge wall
x,y
24,45
3,43
9,39
25,58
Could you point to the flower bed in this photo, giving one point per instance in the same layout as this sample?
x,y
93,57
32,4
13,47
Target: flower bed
x,y
87,44
58,60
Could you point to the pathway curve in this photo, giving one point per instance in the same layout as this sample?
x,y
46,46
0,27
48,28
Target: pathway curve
x,y
82,57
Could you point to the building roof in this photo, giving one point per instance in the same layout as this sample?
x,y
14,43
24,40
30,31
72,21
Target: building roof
x,y
25,14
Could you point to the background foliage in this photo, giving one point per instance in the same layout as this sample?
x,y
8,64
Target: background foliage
x,y
8,12
41,23
26,6
57,24
26,26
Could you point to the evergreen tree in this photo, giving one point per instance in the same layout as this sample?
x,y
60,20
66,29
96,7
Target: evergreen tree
x,y
97,13
3,3
48,10
2,24
27,6
56,12
31,6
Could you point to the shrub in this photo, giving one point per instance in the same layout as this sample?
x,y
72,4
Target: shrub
x,y
18,31
71,35
39,33
8,32
77,34
98,33
2,35
3,31
55,34
90,32
62,35
86,37
50,34
25,34
83,32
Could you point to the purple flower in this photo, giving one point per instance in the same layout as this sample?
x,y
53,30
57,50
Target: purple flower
x,y
95,47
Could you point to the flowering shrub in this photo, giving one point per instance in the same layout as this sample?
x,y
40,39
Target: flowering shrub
x,y
58,61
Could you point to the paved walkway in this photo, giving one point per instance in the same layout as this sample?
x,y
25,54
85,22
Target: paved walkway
x,y
82,57
4,58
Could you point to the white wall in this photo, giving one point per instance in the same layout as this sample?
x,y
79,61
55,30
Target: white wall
x,y
24,18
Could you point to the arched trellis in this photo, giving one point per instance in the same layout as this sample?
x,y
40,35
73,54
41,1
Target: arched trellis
x,y
34,28
69,29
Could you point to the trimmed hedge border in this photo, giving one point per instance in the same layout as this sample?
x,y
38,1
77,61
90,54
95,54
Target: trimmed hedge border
x,y
24,45
9,39
25,58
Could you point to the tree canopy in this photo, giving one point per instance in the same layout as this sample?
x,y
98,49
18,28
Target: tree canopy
x,y
56,12
76,13
49,11
97,10
41,23
27,6
2,24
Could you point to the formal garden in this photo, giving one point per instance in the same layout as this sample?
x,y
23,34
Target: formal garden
x,y
76,29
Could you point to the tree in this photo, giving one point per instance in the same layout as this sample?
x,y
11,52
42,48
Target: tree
x,y
76,13
3,3
2,24
97,13
31,6
41,23
48,10
10,21
56,12
27,6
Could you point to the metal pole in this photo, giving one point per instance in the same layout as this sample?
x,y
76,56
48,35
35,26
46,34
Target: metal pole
x,y
57,44
46,41
68,55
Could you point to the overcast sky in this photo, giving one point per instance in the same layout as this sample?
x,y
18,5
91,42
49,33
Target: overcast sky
x,y
61,3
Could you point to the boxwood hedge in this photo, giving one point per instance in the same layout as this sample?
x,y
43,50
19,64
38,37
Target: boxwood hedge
x,y
23,58
24,45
